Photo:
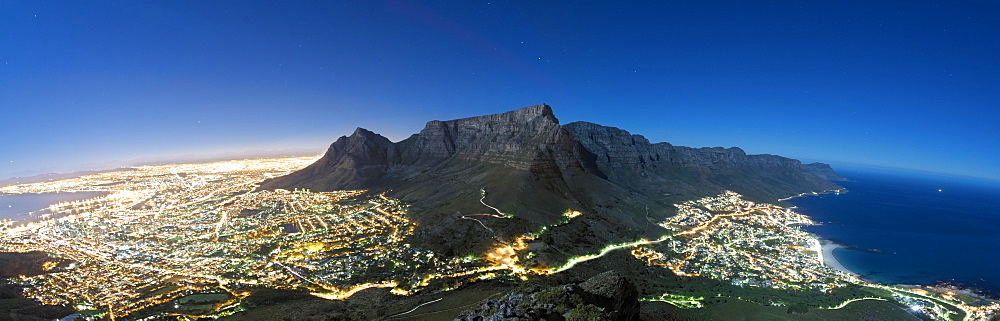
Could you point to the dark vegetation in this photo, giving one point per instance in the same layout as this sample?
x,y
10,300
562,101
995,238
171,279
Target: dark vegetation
x,y
374,304
734,309
14,306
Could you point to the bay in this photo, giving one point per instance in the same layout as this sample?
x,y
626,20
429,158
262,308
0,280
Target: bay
x,y
18,206
913,228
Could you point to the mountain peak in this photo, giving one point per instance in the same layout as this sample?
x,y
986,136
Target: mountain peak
x,y
543,111
361,132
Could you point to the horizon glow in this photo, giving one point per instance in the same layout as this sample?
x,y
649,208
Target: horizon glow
x,y
94,85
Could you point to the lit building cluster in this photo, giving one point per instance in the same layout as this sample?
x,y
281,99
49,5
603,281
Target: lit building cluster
x,y
727,237
165,232
944,302
983,312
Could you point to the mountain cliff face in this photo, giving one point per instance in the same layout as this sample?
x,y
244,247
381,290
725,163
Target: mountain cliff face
x,y
534,168
523,159
526,139
665,169
824,171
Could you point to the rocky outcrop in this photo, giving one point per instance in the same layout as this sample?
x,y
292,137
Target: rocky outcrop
x,y
510,139
519,140
614,294
355,162
824,171
683,173
607,296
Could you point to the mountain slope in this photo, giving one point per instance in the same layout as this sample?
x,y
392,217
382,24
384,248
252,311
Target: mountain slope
x,y
523,160
682,173
526,164
824,171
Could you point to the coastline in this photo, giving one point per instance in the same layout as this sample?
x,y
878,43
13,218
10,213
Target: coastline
x,y
975,298
829,191
826,255
829,259
24,207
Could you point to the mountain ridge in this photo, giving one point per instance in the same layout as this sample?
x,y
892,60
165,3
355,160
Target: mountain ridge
x,y
528,164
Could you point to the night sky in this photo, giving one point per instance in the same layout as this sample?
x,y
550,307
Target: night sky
x,y
906,84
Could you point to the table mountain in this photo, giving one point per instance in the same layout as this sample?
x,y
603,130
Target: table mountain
x,y
528,165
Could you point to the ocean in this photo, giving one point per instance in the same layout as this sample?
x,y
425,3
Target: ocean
x,y
913,228
16,207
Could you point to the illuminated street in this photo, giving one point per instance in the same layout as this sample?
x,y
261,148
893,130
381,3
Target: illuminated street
x,y
168,232
165,232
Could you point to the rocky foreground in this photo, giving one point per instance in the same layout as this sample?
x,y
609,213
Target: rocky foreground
x,y
606,296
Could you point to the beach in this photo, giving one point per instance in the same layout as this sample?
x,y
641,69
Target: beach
x,y
829,259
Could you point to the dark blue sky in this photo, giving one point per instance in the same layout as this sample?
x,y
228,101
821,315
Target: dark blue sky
x,y
908,84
